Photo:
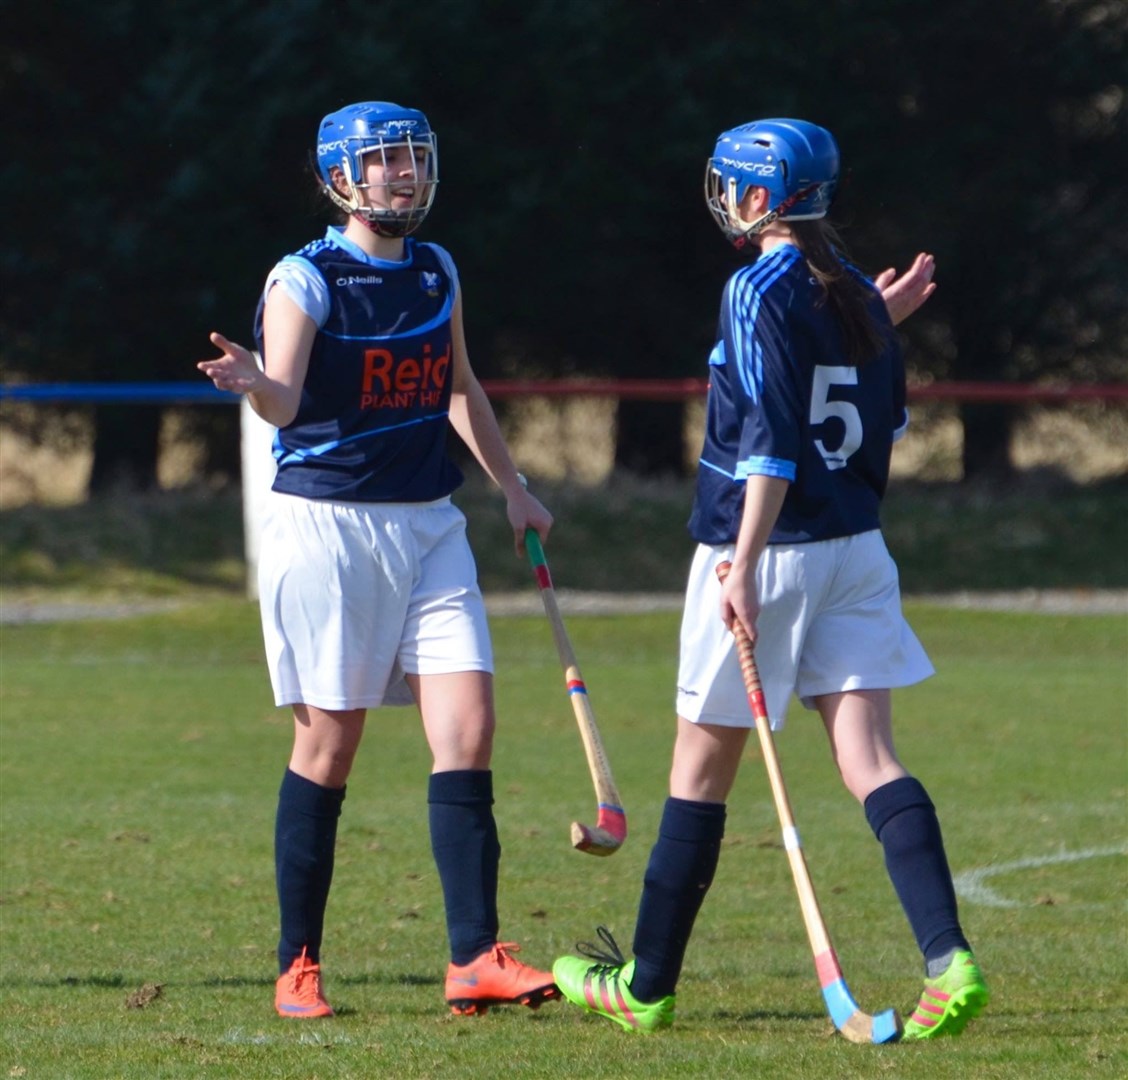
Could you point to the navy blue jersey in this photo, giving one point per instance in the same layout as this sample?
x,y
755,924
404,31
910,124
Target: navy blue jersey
x,y
783,401
372,422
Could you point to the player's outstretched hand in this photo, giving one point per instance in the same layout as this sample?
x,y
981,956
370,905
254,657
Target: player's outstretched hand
x,y
235,370
904,294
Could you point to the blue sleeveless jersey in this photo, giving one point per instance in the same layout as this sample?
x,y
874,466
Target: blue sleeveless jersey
x,y
784,402
373,418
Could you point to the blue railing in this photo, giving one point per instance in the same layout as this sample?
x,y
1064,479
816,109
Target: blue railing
x,y
156,393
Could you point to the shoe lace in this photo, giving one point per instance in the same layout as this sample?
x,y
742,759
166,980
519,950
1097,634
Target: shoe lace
x,y
305,979
502,951
609,957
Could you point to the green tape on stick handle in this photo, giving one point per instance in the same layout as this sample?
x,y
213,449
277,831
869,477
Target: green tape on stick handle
x,y
534,550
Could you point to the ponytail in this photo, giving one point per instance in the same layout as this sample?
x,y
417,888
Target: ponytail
x,y
848,297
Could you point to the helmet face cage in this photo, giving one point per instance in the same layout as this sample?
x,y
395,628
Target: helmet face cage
x,y
795,161
346,138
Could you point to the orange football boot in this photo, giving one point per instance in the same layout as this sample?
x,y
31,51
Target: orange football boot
x,y
298,991
496,978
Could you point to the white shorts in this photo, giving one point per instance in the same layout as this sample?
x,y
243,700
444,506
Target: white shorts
x,y
830,620
353,595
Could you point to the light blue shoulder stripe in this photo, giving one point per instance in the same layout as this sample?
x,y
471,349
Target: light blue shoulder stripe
x,y
746,293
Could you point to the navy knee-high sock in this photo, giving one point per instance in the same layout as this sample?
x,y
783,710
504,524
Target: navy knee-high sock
x,y
305,838
904,820
467,853
682,864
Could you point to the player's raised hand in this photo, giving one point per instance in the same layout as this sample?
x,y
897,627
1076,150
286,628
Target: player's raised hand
x,y
235,370
904,294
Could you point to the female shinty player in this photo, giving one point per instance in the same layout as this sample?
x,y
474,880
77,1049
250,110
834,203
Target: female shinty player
x,y
807,395
368,588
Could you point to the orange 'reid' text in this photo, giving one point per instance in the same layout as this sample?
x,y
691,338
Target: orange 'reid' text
x,y
404,383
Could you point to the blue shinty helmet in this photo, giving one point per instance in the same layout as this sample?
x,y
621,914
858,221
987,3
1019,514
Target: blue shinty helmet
x,y
347,135
796,161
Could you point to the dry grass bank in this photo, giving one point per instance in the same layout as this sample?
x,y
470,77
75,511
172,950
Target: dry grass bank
x,y
570,442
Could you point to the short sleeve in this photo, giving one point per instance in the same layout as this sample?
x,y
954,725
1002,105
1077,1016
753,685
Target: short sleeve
x,y
302,282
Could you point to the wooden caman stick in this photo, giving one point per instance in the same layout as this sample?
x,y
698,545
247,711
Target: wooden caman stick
x,y
855,1025
607,836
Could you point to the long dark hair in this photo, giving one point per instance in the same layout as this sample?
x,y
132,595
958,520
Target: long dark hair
x,y
848,297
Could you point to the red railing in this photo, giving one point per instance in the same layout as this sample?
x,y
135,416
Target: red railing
x,y
682,389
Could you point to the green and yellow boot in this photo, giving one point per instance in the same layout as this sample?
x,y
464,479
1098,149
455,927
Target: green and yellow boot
x,y
950,1000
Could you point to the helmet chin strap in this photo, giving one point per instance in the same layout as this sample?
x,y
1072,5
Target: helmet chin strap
x,y
351,206
380,228
751,233
366,216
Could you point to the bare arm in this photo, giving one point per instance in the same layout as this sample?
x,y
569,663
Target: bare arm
x,y
473,419
904,294
763,498
275,390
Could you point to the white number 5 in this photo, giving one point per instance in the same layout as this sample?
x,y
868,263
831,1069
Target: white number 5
x,y
822,408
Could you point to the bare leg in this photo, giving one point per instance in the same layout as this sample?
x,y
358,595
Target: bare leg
x,y
706,758
859,724
458,717
325,744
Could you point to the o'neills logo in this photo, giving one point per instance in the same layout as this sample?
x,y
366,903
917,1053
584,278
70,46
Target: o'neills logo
x,y
392,382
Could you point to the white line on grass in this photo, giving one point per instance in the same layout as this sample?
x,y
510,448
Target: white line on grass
x,y
971,884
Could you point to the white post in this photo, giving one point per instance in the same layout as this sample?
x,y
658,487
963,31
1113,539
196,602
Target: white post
x,y
256,439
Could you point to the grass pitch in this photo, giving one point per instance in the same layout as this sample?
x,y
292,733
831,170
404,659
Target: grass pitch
x,y
139,765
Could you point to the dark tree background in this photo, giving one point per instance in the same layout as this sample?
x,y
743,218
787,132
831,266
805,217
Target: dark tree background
x,y
157,166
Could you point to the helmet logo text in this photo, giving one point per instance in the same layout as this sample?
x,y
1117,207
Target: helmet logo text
x,y
757,168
